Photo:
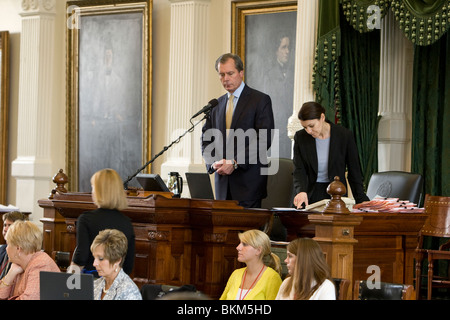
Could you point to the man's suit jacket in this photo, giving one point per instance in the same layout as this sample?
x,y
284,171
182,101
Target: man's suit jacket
x,y
343,155
253,111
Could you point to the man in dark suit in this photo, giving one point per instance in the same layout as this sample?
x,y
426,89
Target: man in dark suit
x,y
236,149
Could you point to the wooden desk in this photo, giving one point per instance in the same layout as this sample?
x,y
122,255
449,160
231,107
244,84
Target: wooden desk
x,y
178,241
386,240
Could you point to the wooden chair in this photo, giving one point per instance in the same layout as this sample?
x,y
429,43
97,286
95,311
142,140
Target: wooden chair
x,y
341,286
436,225
386,291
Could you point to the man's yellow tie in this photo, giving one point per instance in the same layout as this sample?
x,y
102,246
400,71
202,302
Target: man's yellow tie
x,y
230,108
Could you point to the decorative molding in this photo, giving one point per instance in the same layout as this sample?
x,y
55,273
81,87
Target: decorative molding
x,y
159,235
71,227
215,237
31,7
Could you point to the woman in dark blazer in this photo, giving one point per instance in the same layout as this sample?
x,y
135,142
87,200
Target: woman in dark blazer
x,y
323,150
110,198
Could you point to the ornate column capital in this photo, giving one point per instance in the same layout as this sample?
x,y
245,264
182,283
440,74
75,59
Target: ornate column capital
x,y
34,7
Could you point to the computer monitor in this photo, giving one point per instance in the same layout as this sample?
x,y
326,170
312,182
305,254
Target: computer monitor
x,y
66,286
151,182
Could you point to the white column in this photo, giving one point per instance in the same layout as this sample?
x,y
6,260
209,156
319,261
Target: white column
x,y
395,103
307,19
187,83
33,166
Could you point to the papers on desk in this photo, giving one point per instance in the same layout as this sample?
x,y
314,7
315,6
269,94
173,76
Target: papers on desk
x,y
286,209
319,206
386,205
8,208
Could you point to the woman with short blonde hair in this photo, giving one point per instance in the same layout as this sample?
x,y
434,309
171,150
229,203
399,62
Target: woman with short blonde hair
x,y
109,249
26,236
27,261
107,190
115,245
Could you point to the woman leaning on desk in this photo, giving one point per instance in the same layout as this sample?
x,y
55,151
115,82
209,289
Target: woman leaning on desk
x,y
323,150
27,260
257,281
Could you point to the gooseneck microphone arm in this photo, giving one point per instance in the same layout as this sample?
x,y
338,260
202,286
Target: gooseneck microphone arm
x,y
206,110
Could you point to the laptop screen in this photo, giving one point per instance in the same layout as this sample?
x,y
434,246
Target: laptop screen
x,y
66,286
199,185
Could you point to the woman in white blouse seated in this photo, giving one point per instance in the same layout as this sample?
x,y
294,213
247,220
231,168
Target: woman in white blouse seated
x,y
309,274
109,249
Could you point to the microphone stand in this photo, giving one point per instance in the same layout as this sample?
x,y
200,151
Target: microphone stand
x,y
191,129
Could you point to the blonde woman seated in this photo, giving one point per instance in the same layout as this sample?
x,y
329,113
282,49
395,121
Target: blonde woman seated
x,y
309,275
109,249
257,281
21,282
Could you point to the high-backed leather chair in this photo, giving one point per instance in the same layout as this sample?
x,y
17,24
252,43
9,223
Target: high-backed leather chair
x,y
280,188
396,184
341,286
436,226
280,185
62,259
386,291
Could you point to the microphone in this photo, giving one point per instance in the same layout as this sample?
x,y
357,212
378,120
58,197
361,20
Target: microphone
x,y
207,108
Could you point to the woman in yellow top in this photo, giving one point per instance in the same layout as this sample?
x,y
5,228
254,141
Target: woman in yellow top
x,y
257,281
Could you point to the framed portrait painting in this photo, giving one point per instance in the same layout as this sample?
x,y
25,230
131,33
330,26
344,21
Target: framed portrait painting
x,y
108,88
4,111
263,35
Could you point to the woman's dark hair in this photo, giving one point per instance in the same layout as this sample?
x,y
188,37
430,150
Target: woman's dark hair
x,y
310,110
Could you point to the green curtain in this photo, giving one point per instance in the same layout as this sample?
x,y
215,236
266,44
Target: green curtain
x,y
346,79
425,23
359,86
326,69
431,116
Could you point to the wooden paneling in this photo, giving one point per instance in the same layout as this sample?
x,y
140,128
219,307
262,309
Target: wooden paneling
x,y
386,240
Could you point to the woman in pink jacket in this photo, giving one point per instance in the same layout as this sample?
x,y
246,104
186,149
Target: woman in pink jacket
x,y
24,250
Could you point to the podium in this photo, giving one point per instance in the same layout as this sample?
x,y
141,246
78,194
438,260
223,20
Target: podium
x,y
178,241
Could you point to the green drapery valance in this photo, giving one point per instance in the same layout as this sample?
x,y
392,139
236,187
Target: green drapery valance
x,y
365,15
422,21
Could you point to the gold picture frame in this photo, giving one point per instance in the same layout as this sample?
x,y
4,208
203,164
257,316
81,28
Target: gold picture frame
x,y
264,35
4,112
242,9
109,88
